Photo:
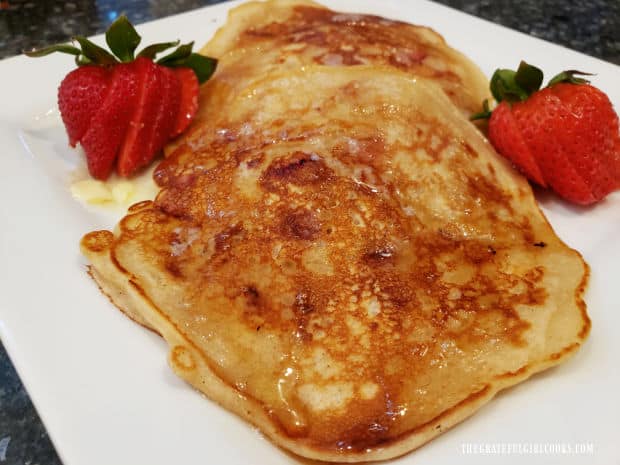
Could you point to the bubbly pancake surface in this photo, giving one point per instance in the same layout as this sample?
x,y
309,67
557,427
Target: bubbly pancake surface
x,y
350,268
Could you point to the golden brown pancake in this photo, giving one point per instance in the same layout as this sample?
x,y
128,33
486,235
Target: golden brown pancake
x,y
260,37
351,268
282,33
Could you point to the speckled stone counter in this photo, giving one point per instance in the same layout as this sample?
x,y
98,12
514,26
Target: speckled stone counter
x,y
589,26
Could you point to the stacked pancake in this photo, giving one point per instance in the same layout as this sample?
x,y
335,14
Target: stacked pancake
x,y
336,254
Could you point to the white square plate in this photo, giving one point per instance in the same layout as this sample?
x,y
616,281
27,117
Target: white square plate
x,y
101,383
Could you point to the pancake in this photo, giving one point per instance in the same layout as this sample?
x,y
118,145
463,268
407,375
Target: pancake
x,y
285,33
260,37
352,268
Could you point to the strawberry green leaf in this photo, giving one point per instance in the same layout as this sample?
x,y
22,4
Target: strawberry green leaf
x,y
505,87
528,77
484,114
181,53
94,53
122,39
152,50
202,65
63,48
570,77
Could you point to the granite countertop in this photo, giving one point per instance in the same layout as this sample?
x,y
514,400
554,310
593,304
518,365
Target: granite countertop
x,y
589,26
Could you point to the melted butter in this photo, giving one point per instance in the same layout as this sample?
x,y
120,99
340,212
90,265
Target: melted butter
x,y
116,191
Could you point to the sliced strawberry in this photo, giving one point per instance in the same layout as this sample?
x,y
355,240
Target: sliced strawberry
x,y
565,180
542,120
120,102
189,99
109,125
589,135
568,130
506,137
167,111
136,152
80,94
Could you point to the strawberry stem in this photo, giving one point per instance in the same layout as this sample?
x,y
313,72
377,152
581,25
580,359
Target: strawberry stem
x,y
122,39
97,55
203,66
62,48
152,50
179,54
529,77
516,86
484,114
570,77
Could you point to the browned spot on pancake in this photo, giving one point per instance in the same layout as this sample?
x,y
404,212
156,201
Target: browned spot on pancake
x,y
299,169
251,295
302,302
535,274
300,224
483,188
473,154
175,202
379,254
162,174
405,58
223,239
526,229
399,293
174,268
339,58
256,161
182,358
477,252
369,151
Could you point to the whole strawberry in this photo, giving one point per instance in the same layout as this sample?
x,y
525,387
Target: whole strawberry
x,y
565,136
124,108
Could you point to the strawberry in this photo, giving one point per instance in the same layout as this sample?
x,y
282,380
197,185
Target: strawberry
x,y
565,136
156,114
124,108
170,110
109,126
189,99
134,152
81,93
508,140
